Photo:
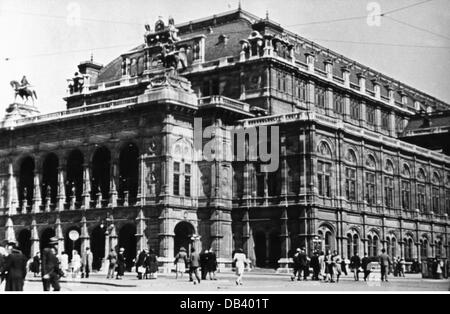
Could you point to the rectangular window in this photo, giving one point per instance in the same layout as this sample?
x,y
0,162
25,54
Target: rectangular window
x,y
301,92
436,200
406,195
176,178
320,96
187,180
389,192
338,103
354,109
260,186
370,113
421,198
324,178
385,120
350,183
370,188
399,124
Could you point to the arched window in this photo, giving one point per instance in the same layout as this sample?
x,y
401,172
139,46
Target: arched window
x,y
408,249
438,250
370,180
406,188
421,191
435,193
355,244
393,247
324,171
349,245
350,177
424,248
328,241
389,185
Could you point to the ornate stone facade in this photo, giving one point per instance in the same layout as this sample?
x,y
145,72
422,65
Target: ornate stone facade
x,y
121,167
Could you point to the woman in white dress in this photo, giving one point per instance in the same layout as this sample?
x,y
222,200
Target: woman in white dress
x,y
241,260
76,264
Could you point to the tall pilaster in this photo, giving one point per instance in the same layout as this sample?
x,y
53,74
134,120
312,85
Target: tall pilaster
x,y
13,199
113,186
86,187
37,198
61,194
34,238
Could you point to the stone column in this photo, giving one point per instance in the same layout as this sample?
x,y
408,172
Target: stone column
x,y
86,187
362,82
13,199
142,241
285,243
113,186
59,234
166,240
346,76
310,59
329,68
113,242
84,235
9,230
37,199
329,101
392,126
61,194
35,247
247,238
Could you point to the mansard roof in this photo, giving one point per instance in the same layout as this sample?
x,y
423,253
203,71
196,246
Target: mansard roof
x,y
238,24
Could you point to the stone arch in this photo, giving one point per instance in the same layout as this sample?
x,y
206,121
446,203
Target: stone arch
x,y
101,172
371,162
97,245
406,171
389,166
128,171
128,240
327,233
69,245
27,168
324,148
351,156
421,175
24,242
183,231
50,167
436,179
74,173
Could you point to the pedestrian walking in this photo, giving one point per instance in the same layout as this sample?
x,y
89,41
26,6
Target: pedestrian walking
x,y
204,263
76,264
385,262
439,268
240,259
212,265
315,265
15,268
112,258
296,265
181,259
344,264
35,266
355,265
152,264
323,266
87,260
337,262
365,265
194,265
141,270
303,261
121,264
51,273
329,267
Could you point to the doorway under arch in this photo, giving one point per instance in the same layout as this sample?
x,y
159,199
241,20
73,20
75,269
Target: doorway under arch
x,y
274,250
98,247
260,248
128,241
183,236
24,240
47,234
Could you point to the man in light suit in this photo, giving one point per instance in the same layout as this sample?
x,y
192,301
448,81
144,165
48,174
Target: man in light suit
x,y
385,262
86,261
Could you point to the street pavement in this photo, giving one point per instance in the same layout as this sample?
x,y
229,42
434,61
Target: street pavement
x,y
260,281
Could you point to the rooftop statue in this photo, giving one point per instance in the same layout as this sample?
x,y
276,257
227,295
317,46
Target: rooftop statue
x,y
24,90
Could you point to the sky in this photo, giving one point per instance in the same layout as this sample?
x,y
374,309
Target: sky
x,y
46,39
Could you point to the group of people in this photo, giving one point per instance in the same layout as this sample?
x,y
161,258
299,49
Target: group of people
x,y
205,262
326,267
147,265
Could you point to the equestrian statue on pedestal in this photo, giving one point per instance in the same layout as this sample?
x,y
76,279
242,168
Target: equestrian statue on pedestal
x,y
24,90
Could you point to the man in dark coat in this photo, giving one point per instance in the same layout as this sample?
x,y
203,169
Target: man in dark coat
x,y
16,268
355,264
50,267
120,264
315,265
365,263
297,271
204,263
303,260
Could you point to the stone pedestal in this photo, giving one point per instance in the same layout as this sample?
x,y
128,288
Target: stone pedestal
x,y
19,111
